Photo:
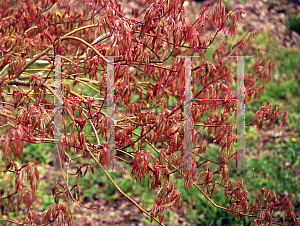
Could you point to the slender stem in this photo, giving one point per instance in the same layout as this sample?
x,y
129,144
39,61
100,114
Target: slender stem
x,y
123,193
11,221
86,43
29,63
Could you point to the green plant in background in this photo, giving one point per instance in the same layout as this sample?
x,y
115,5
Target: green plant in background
x,y
38,153
283,90
294,124
227,4
277,166
294,23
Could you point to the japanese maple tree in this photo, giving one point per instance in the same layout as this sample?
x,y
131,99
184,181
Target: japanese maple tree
x,y
148,49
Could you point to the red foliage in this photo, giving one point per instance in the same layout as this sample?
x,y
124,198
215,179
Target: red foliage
x,y
143,44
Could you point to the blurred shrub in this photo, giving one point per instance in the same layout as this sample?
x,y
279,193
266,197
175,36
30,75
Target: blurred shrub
x,y
294,23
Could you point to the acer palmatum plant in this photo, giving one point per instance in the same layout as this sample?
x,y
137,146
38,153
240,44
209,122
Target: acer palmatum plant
x,y
84,34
